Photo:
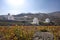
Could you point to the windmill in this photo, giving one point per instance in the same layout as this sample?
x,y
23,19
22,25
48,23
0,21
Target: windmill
x,y
35,21
10,17
47,20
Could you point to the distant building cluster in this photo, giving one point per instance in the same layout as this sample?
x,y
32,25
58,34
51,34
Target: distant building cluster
x,y
34,20
31,20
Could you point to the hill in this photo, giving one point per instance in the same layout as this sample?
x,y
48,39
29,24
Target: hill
x,y
53,16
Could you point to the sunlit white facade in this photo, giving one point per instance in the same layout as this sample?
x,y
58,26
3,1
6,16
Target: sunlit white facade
x,y
35,21
10,17
47,20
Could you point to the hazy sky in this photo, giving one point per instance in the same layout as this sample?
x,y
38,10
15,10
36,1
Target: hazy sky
x,y
21,6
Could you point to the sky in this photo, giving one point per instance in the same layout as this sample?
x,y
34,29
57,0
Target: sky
x,y
26,6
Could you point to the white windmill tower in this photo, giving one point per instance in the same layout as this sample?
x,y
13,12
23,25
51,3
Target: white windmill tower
x,y
35,21
47,20
10,17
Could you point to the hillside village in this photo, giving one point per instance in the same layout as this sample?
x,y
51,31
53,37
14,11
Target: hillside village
x,y
38,18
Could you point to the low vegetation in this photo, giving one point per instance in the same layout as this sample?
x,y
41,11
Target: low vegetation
x,y
26,32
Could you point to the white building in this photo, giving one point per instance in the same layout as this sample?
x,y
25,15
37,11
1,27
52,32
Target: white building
x,y
47,20
10,17
35,21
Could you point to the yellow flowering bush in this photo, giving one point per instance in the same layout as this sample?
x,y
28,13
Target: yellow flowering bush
x,y
26,32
